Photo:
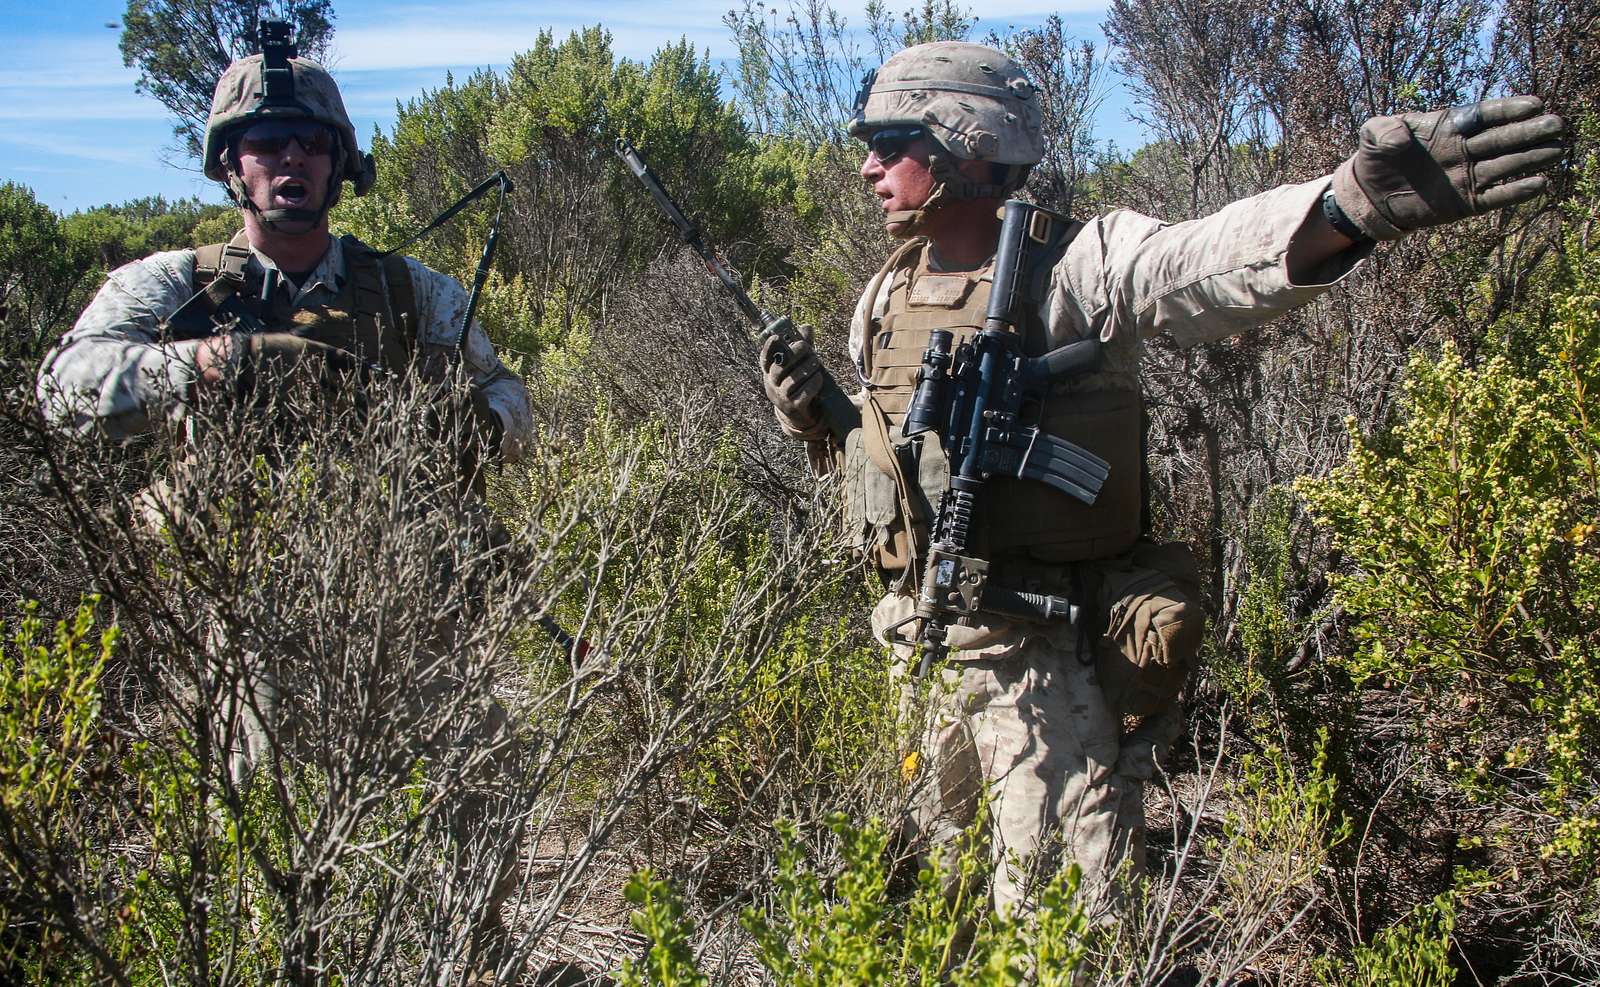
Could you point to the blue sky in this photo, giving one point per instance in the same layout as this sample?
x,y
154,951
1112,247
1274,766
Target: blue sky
x,y
73,129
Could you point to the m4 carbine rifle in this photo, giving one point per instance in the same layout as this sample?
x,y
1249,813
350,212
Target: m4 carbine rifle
x,y
972,398
838,413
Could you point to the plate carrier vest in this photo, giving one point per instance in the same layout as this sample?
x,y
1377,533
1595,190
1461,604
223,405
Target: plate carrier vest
x,y
373,315
1018,520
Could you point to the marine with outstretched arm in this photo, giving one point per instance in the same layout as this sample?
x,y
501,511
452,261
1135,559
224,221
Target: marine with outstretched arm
x,y
1058,720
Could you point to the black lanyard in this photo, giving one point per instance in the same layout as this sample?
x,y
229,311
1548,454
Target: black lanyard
x,y
482,274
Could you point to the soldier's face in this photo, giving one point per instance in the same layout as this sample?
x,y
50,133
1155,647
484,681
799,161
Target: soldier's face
x,y
283,174
904,183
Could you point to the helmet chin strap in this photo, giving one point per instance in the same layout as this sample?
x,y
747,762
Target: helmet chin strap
x,y
273,219
950,185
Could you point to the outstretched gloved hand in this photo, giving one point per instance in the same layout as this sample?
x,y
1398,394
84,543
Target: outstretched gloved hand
x,y
793,378
1422,169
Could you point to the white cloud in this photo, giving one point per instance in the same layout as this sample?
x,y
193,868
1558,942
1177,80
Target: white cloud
x,y
49,61
489,32
77,148
61,77
88,103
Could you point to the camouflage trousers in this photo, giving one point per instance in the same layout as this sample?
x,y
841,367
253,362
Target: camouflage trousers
x,y
1017,715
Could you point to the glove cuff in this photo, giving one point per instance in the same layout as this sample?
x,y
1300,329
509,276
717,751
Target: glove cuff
x,y
489,424
808,431
1358,208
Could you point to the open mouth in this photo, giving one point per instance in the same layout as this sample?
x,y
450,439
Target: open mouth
x,y
291,193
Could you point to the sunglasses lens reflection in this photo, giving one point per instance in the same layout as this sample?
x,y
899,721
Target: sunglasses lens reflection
x,y
271,138
891,142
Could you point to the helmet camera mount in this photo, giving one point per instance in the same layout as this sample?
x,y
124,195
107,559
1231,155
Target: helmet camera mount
x,y
277,78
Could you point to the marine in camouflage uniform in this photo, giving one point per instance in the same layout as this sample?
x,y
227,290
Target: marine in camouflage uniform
x,y
1060,725
116,369
279,140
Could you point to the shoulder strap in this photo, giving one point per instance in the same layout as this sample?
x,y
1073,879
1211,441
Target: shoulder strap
x,y
402,298
207,261
219,273
225,259
362,273
1036,335
384,301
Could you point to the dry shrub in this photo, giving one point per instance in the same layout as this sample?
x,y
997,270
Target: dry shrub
x,y
312,565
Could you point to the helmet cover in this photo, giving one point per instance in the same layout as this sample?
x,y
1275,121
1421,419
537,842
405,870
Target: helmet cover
x,y
244,96
972,100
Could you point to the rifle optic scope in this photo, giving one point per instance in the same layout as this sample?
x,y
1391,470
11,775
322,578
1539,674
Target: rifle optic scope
x,y
933,381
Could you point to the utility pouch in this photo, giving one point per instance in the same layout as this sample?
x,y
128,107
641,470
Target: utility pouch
x,y
1154,625
896,508
870,500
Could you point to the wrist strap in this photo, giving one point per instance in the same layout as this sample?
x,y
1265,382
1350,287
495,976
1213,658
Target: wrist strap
x,y
1339,221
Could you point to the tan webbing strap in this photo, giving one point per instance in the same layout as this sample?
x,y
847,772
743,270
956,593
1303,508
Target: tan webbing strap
x,y
219,273
207,260
871,295
219,269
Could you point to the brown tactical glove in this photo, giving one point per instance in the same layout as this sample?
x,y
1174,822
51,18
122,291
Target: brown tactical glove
x,y
278,357
793,383
1423,169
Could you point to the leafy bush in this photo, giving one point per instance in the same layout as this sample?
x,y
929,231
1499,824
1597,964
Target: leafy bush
x,y
1474,578
1414,952
1474,581
50,733
326,561
846,929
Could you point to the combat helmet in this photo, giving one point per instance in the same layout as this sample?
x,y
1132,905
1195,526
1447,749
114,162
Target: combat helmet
x,y
972,100
277,85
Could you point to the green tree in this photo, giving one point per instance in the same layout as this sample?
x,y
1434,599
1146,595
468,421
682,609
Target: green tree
x,y
577,220
111,236
41,272
50,265
181,48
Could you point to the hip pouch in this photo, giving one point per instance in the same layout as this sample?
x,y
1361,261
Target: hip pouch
x,y
1154,626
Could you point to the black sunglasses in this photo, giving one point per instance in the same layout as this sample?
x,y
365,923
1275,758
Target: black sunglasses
x,y
888,143
272,136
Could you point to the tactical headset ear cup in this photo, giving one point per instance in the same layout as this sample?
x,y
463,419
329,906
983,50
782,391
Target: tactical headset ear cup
x,y
364,174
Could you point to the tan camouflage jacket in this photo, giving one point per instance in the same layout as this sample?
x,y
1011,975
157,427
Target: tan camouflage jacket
x,y
1127,277
111,371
